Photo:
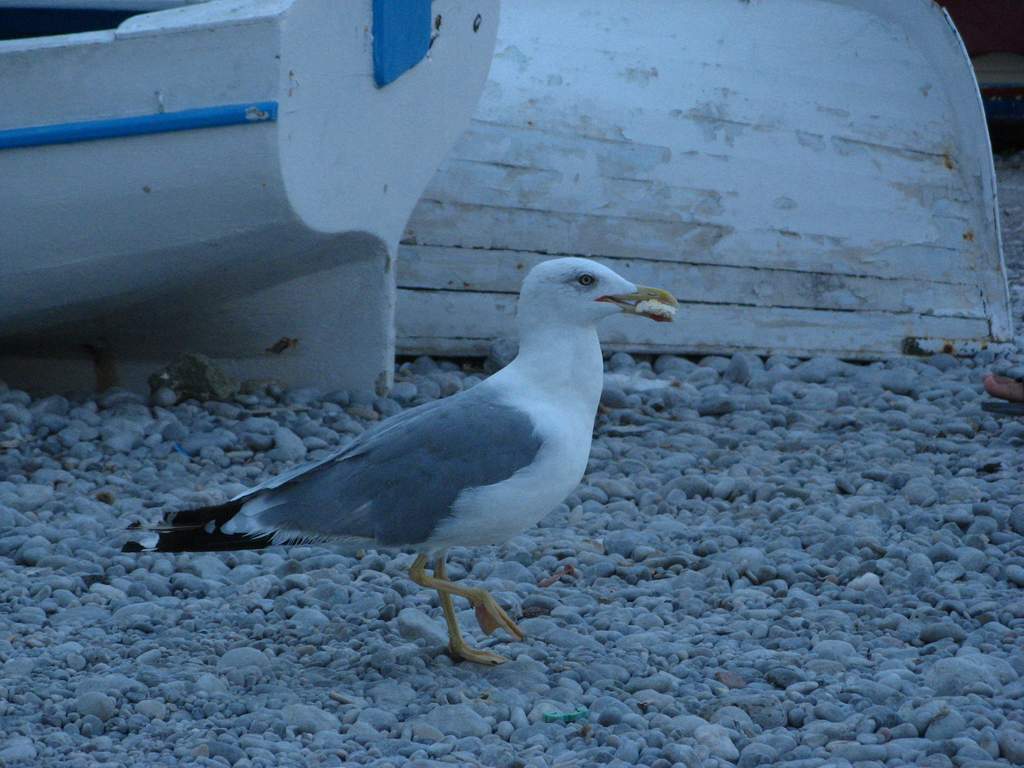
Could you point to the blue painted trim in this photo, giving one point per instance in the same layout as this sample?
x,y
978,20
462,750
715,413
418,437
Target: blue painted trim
x,y
163,122
401,37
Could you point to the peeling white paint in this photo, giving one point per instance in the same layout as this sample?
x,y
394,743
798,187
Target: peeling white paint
x,y
809,175
225,239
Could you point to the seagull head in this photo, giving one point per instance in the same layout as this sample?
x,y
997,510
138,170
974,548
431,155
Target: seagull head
x,y
581,292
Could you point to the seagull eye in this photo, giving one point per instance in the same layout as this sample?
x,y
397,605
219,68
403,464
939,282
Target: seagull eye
x,y
586,279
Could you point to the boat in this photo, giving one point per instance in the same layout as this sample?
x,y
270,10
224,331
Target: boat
x,y
810,178
219,178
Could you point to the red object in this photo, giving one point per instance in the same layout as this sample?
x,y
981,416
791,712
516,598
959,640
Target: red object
x,y
989,26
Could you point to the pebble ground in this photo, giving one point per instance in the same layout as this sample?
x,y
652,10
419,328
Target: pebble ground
x,y
770,562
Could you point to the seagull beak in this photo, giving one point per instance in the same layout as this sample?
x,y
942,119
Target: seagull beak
x,y
654,303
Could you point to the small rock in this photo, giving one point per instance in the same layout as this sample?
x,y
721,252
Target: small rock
x,y
738,370
404,391
865,581
943,361
1011,744
195,376
30,496
855,752
817,398
902,381
90,726
230,752
143,616
956,675
757,754
305,718
379,719
693,486
238,658
836,650
717,740
818,370
1016,519
940,630
946,726
921,570
724,488
730,679
97,704
712,404
622,542
920,492
783,677
608,711
164,397
612,397
152,708
459,720
287,446
413,624
210,684
673,364
17,750
309,619
422,731
1015,575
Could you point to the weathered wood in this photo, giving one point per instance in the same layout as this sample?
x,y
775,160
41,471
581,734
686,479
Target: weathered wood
x,y
705,328
826,158
437,268
549,232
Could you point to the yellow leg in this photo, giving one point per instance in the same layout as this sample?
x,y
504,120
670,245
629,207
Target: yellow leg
x,y
481,600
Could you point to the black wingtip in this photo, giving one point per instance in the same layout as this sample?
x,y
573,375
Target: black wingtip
x,y
196,530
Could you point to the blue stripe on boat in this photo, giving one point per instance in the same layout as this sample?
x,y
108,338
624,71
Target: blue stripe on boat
x,y
163,122
401,37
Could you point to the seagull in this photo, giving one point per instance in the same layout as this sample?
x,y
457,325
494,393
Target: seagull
x,y
473,469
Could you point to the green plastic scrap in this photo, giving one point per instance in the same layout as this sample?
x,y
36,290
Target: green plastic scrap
x,y
566,717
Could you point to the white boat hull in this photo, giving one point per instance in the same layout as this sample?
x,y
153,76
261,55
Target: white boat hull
x,y
222,240
808,177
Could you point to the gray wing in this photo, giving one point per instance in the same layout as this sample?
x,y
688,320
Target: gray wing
x,y
397,482
356,446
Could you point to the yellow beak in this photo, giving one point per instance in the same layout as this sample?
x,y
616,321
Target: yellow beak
x,y
654,303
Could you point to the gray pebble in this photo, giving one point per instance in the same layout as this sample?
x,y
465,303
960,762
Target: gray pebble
x,y
940,630
220,748
152,708
1015,575
243,657
718,741
457,720
958,675
287,446
946,726
19,749
97,704
1011,743
413,624
305,718
404,391
920,492
164,397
